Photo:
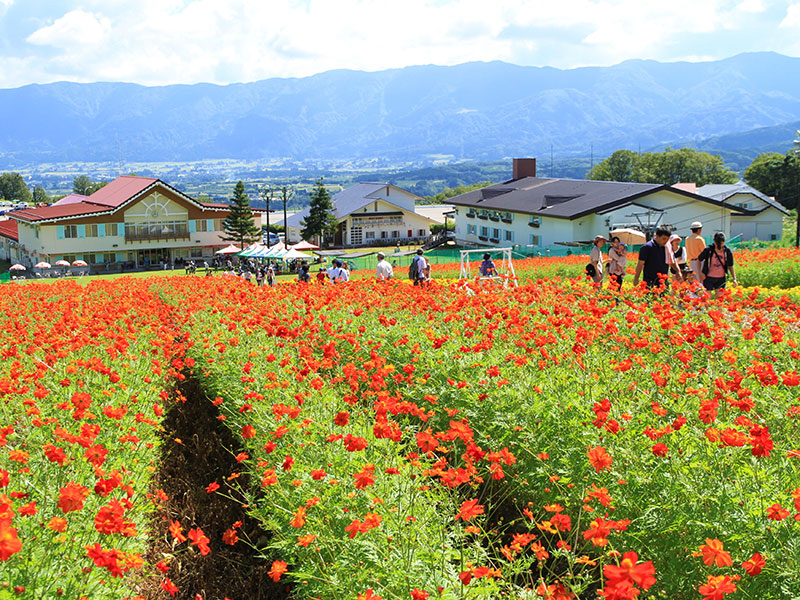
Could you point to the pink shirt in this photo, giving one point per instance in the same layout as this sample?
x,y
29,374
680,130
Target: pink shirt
x,y
716,263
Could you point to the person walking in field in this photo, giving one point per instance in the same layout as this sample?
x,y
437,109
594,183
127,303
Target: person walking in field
x,y
653,267
716,261
695,244
596,260
383,270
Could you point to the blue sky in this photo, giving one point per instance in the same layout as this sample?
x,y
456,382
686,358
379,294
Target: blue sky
x,y
158,42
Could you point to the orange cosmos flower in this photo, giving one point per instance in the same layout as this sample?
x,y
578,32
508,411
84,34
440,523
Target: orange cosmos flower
x,y
10,544
715,554
599,458
277,569
299,518
716,587
753,566
305,540
72,497
469,510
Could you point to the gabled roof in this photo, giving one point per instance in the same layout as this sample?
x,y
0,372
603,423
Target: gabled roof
x,y
107,199
565,198
723,192
351,199
47,213
122,189
10,229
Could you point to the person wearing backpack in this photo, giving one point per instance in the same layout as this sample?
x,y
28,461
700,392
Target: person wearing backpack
x,y
716,261
416,270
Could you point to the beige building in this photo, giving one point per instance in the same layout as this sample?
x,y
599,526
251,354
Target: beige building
x,y
133,222
372,214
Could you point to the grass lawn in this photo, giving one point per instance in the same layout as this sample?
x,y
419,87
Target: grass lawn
x,y
140,275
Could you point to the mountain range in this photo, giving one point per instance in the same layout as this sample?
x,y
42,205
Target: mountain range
x,y
478,111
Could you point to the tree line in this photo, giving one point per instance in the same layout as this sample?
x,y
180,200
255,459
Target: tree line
x,y
772,173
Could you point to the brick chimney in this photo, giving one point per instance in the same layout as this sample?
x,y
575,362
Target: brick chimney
x,y
524,167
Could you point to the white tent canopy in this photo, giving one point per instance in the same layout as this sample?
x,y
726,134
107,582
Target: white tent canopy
x,y
293,254
229,250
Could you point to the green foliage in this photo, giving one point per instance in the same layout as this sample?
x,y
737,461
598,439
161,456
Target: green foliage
x,y
40,195
776,175
239,226
83,185
668,167
13,188
440,227
443,196
321,220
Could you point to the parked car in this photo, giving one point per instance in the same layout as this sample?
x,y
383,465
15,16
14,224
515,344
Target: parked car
x,y
273,239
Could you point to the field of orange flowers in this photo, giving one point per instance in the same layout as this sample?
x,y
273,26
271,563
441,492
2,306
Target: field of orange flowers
x,y
392,442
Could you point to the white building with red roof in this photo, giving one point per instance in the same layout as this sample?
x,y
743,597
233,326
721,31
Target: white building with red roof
x,y
133,222
9,240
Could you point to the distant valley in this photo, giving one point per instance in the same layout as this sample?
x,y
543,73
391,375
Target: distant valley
x,y
475,111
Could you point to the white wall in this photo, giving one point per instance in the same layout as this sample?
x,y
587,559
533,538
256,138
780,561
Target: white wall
x,y
395,195
765,226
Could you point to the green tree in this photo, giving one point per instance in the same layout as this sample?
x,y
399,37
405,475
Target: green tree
x,y
321,220
776,175
239,226
620,166
448,193
40,195
83,185
668,167
13,188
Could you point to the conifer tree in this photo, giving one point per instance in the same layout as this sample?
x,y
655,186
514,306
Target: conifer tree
x,y
321,219
240,226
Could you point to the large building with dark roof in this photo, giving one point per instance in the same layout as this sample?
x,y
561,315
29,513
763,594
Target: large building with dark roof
x,y
132,221
540,211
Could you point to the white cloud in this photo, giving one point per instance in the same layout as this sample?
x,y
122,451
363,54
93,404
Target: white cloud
x,y
792,18
76,28
751,6
169,41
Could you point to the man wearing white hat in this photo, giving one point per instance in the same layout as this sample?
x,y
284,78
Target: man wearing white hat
x,y
695,244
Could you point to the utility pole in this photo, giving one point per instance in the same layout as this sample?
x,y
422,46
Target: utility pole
x,y
287,193
266,194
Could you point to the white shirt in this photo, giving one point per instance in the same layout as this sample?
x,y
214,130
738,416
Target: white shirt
x,y
337,274
384,270
596,258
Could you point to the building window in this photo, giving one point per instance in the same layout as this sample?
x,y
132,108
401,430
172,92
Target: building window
x,y
111,230
370,235
495,234
535,221
383,235
773,237
471,229
70,231
395,234
421,232
91,230
509,236
201,225
508,217
536,240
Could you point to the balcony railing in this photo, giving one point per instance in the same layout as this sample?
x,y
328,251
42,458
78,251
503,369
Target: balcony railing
x,y
142,234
